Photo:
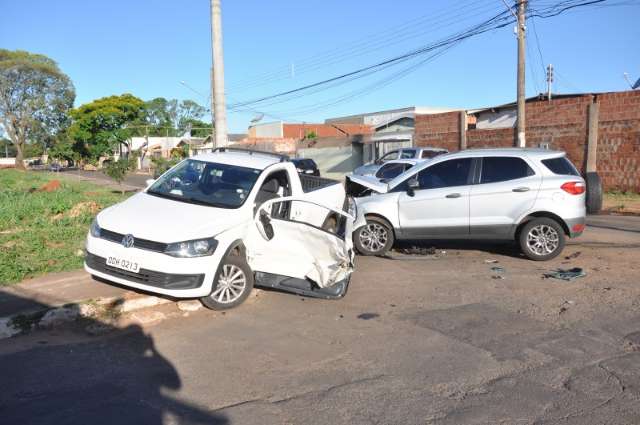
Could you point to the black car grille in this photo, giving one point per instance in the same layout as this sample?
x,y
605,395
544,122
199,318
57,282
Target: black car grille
x,y
137,243
146,277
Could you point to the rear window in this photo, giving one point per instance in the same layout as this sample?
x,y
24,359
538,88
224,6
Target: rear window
x,y
408,154
431,154
561,166
499,169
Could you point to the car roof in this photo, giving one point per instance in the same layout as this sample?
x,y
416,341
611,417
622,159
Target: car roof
x,y
533,153
247,159
412,161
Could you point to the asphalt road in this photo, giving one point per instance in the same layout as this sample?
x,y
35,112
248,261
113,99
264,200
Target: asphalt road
x,y
416,341
132,179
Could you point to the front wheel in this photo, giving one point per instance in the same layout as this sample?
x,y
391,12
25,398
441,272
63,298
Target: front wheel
x,y
374,238
542,239
232,284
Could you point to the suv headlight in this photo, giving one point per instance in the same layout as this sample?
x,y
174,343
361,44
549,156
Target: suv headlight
x,y
95,228
190,249
352,208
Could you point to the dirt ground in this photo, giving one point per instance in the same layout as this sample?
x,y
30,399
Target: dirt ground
x,y
421,340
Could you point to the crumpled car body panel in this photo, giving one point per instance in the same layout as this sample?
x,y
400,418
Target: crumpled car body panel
x,y
297,246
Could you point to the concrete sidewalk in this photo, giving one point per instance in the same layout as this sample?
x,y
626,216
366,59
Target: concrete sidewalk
x,y
625,223
54,290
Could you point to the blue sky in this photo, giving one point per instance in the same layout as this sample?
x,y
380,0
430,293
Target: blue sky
x,y
146,47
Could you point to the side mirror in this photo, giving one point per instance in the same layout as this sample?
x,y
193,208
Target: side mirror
x,y
149,182
267,228
412,184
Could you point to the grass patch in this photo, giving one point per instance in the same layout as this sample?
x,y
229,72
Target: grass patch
x,y
622,202
43,232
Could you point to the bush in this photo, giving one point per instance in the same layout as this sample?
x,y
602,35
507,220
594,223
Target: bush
x,y
161,165
118,170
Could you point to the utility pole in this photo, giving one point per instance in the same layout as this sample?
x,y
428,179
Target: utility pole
x,y
218,107
522,6
549,81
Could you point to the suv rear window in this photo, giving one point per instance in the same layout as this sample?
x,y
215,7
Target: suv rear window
x,y
560,166
503,168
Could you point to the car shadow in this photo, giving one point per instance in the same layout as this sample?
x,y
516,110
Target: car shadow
x,y
118,377
497,247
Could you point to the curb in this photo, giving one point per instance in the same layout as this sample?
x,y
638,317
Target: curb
x,y
47,318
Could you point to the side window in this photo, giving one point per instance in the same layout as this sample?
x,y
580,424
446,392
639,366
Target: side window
x,y
454,172
389,171
389,156
499,169
408,154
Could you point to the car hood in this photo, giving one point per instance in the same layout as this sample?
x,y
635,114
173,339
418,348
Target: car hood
x,y
370,182
165,220
366,169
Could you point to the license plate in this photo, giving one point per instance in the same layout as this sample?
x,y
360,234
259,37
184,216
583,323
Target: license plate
x,y
123,264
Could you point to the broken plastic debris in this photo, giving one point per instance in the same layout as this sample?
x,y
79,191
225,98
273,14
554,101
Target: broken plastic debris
x,y
416,250
568,275
572,256
491,261
497,269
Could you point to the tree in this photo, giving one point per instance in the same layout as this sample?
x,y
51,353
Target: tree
x,y
171,117
35,96
104,124
198,128
118,170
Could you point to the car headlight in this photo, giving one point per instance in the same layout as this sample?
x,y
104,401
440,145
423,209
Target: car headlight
x,y
352,208
95,228
190,249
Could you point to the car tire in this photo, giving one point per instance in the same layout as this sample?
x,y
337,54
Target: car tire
x,y
542,239
594,193
226,281
374,238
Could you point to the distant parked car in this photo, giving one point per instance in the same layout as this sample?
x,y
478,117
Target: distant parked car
x,y
533,196
371,168
55,167
306,166
392,169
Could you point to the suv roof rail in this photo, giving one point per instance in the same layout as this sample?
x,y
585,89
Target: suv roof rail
x,y
281,157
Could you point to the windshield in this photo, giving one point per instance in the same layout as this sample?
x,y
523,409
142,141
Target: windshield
x,y
206,183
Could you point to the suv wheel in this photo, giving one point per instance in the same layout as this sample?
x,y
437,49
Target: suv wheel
x,y
374,238
542,239
232,284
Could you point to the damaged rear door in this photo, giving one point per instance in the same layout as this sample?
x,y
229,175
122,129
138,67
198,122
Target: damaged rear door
x,y
301,246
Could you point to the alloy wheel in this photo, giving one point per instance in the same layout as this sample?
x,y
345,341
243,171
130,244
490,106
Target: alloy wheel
x,y
373,237
232,283
543,239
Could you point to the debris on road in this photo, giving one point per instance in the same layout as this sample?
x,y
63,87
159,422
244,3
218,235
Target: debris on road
x,y
497,269
189,305
567,275
572,256
491,261
368,316
417,250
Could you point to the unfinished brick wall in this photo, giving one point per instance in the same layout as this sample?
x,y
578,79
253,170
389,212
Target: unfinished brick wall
x,y
324,130
563,124
438,130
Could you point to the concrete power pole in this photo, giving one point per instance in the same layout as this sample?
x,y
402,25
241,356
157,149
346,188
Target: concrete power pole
x,y
549,81
522,6
218,107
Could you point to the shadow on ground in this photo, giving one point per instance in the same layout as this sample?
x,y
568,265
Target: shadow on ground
x,y
119,377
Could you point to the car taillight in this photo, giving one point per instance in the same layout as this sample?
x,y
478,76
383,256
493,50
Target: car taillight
x,y
574,188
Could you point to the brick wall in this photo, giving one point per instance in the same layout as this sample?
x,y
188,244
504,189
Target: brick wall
x,y
563,124
323,130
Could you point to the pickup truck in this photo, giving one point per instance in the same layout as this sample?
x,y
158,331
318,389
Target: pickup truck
x,y
216,224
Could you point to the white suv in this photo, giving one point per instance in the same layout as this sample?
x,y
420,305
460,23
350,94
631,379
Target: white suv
x,y
534,196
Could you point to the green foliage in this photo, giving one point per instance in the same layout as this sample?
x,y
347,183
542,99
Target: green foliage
x,y
161,165
310,135
38,233
118,170
170,117
35,96
105,123
198,128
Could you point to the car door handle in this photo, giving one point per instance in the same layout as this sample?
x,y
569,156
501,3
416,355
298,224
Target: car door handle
x,y
453,195
520,189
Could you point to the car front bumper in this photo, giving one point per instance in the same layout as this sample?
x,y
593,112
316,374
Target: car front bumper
x,y
159,273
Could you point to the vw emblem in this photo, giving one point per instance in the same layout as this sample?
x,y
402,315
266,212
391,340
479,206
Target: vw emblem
x,y
127,241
